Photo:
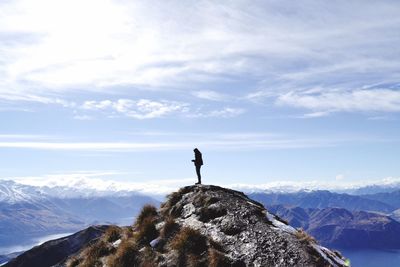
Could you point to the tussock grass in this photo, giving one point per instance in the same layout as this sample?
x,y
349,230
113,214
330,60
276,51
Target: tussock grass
x,y
73,262
112,234
146,231
145,225
218,259
91,256
127,255
304,237
196,261
148,258
171,207
190,241
170,228
148,211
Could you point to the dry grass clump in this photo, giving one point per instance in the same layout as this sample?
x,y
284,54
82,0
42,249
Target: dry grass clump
x,y
112,234
172,199
304,237
127,233
189,241
218,259
196,261
145,225
127,255
148,258
170,207
91,256
148,211
73,262
170,228
146,231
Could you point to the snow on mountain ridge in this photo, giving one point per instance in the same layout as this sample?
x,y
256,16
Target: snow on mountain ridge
x,y
82,185
12,192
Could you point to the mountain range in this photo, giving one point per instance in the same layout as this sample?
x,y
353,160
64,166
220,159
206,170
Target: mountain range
x,y
341,228
28,211
335,219
199,225
380,202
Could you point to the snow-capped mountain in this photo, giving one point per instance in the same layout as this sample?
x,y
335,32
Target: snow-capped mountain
x,y
31,211
12,192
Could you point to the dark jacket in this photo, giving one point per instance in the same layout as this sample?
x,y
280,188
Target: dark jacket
x,y
198,160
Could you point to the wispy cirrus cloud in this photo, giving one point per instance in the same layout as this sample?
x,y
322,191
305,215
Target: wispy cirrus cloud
x,y
138,109
324,102
151,109
280,45
211,95
226,112
178,141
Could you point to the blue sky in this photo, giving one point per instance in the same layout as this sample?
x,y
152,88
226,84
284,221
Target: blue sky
x,y
269,91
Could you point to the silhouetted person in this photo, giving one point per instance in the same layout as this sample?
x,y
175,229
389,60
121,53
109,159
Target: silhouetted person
x,y
198,161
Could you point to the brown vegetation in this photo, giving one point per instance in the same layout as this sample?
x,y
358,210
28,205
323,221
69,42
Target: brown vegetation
x,y
304,237
147,231
190,241
112,234
170,228
127,255
148,211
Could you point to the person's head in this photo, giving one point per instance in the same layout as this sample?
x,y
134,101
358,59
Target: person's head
x,y
196,150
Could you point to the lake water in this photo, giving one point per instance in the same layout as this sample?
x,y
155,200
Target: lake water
x,y
34,242
372,258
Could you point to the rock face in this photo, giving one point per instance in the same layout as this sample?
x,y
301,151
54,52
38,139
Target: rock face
x,y
205,226
55,251
249,234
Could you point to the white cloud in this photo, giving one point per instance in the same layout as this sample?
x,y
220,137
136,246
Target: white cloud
x,y
378,100
14,136
226,112
138,109
93,146
99,183
27,97
281,45
211,95
210,141
337,185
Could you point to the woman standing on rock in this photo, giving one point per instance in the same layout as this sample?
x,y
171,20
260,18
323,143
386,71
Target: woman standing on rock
x,y
198,161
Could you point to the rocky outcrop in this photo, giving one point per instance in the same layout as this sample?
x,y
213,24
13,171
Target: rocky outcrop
x,y
205,225
248,232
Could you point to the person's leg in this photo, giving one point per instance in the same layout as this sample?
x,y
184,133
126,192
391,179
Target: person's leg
x,y
198,173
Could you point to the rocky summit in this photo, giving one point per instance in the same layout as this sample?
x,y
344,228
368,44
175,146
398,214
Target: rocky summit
x,y
205,225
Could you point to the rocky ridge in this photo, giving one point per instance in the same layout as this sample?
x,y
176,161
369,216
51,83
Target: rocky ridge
x,y
205,225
